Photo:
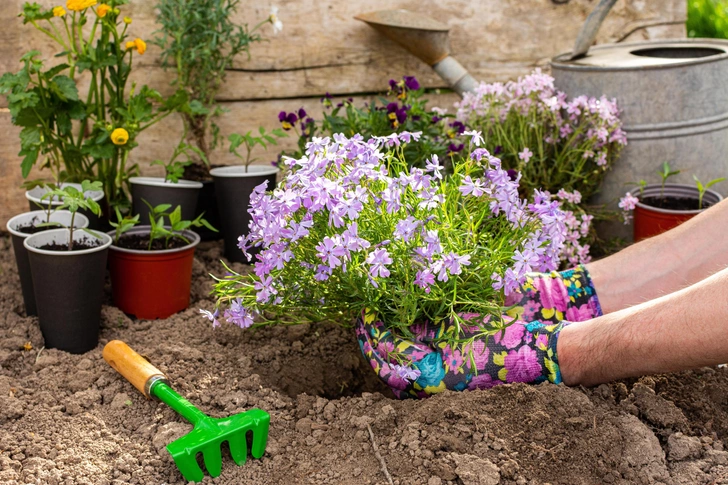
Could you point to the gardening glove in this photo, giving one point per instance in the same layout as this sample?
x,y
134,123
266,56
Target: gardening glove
x,y
556,296
426,365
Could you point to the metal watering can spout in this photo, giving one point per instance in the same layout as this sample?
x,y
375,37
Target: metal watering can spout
x,y
427,39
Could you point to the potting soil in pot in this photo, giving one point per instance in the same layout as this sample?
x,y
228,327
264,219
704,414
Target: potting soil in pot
x,y
678,204
141,242
33,227
71,419
85,243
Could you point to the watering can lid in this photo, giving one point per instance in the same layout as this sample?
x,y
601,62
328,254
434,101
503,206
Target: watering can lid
x,y
403,19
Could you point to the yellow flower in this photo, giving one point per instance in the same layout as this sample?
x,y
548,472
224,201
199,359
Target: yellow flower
x,y
127,20
59,11
78,5
102,10
119,136
137,44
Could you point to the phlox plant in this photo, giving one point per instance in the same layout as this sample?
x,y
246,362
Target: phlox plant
x,y
354,228
554,142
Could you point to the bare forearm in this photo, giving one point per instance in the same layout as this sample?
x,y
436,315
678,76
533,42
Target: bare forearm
x,y
665,263
679,331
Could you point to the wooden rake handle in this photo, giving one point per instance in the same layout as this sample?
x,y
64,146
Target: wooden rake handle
x,y
135,368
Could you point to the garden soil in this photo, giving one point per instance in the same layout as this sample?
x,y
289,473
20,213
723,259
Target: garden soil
x,y
70,419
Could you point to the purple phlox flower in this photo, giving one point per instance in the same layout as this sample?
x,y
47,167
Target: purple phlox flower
x,y
351,207
479,153
351,240
411,83
322,273
238,315
211,316
601,159
392,195
265,289
299,230
378,260
588,154
330,252
417,179
430,198
472,187
628,202
453,263
407,373
476,137
525,155
424,279
406,228
433,165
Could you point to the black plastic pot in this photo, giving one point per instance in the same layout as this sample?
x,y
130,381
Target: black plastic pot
x,y
21,254
233,186
207,205
68,287
94,222
156,191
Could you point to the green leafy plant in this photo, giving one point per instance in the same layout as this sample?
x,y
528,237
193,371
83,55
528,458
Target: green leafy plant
x,y
707,18
665,173
73,200
200,41
404,109
183,156
84,135
174,228
249,141
702,188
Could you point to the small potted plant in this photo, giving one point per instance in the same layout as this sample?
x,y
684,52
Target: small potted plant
x,y
37,200
200,41
28,223
660,207
171,188
68,266
234,185
151,265
355,232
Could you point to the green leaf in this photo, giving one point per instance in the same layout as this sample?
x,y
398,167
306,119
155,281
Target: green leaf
x,y
30,55
30,137
713,182
29,158
55,70
175,216
103,151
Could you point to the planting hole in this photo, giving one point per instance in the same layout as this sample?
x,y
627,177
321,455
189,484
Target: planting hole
x,y
686,52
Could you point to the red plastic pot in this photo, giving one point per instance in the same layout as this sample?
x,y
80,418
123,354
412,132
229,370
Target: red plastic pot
x,y
650,221
152,284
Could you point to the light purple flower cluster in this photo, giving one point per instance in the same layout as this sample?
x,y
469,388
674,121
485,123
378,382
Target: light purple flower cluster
x,y
574,250
627,204
344,213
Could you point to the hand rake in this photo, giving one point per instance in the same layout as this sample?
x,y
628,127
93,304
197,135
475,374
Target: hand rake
x,y
208,433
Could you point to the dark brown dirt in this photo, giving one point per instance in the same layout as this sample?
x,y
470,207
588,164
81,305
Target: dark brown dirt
x,y
676,204
85,243
32,226
141,242
70,419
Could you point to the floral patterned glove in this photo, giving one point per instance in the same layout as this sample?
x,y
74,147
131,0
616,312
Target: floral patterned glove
x,y
523,352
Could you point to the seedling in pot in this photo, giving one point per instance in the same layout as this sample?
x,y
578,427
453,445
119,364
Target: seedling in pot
x,y
703,188
665,173
250,141
174,169
73,199
159,231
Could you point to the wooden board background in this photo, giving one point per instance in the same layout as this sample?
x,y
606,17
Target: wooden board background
x,y
322,48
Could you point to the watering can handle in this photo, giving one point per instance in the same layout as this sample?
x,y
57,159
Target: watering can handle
x,y
590,28
135,368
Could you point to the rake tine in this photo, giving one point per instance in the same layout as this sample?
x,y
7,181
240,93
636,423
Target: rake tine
x,y
238,447
213,459
189,468
260,423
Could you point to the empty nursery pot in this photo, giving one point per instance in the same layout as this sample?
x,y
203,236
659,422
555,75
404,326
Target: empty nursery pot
x,y
16,227
94,222
68,288
152,284
156,191
233,186
650,221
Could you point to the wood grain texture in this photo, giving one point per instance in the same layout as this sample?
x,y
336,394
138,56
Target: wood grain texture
x,y
135,368
324,49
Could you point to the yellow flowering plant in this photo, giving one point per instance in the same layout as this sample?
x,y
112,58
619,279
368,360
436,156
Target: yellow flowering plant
x,y
84,135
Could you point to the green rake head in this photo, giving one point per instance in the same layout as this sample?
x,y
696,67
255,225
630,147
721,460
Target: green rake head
x,y
208,434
